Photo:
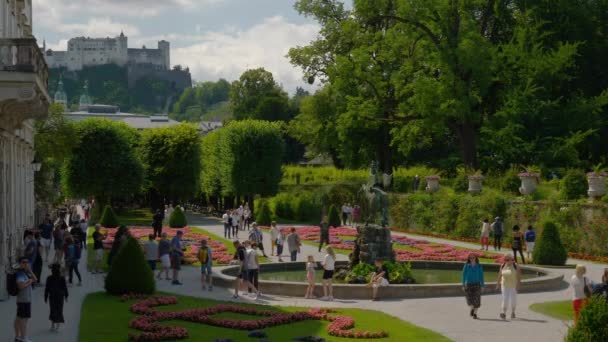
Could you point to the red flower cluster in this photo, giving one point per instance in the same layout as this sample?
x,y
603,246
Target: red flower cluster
x,y
191,240
148,322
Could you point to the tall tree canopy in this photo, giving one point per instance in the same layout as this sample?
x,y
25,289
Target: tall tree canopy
x,y
418,74
203,97
256,95
103,162
172,161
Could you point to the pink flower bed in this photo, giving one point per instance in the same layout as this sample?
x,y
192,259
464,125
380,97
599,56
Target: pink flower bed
x,y
148,321
191,240
422,249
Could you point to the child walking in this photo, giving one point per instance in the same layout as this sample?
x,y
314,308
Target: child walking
x,y
310,277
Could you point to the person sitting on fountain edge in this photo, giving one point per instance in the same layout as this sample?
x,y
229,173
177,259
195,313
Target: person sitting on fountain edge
x,y
379,278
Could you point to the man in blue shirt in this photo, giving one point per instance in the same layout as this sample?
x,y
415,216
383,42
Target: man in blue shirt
x,y
530,237
25,279
176,256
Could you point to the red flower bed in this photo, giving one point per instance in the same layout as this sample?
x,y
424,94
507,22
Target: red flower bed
x,y
424,250
148,322
191,240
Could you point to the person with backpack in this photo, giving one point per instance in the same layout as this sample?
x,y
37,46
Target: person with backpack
x,y
498,231
55,293
72,258
206,260
21,286
530,238
508,282
257,237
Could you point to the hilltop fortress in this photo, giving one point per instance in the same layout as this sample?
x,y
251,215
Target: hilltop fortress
x,y
85,52
82,52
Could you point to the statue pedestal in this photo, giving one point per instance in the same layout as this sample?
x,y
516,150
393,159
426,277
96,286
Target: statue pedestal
x,y
374,242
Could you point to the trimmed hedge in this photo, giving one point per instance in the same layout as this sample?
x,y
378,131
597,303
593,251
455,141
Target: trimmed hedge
x,y
130,273
178,218
574,185
592,323
334,218
263,214
109,218
549,249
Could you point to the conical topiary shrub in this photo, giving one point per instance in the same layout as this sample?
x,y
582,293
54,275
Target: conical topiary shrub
x,y
178,218
592,323
549,249
263,216
130,273
334,217
109,218
118,241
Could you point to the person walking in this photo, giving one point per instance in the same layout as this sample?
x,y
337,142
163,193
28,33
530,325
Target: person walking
x,y
485,234
247,216
517,244
72,258
31,247
176,256
581,290
164,255
280,243
77,234
328,273
257,237
84,228
206,259
37,265
168,211
55,293
530,237
58,242
275,232
46,233
98,248
509,280
235,224
293,240
344,214
310,277
473,283
252,266
227,225
497,231
240,257
25,279
324,233
157,223
151,249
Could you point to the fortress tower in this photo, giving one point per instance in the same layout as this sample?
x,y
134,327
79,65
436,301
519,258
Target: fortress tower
x,y
165,51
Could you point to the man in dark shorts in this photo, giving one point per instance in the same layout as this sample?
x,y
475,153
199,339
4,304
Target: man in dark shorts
x,y
176,256
25,279
239,256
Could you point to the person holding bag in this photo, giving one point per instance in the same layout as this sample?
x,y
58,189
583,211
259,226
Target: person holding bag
x,y
581,290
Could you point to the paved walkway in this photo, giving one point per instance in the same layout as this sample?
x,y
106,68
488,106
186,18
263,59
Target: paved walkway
x,y
448,316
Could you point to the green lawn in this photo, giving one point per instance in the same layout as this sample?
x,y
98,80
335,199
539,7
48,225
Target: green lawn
x,y
136,217
561,310
96,325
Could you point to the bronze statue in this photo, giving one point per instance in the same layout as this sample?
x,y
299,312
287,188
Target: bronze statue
x,y
377,197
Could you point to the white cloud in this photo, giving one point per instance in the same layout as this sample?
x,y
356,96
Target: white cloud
x,y
135,8
98,27
229,53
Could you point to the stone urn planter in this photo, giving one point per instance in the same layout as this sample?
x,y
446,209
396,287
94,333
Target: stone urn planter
x,y
475,182
597,184
432,183
529,181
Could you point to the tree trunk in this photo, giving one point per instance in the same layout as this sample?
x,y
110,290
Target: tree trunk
x,y
384,153
468,143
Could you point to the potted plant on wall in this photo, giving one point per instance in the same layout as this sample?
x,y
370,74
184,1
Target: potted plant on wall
x,y
529,180
432,183
597,182
475,182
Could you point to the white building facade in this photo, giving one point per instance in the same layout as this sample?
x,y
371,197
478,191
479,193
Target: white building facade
x,y
85,51
23,98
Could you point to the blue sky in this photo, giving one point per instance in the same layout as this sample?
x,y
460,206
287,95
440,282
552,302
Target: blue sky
x,y
215,38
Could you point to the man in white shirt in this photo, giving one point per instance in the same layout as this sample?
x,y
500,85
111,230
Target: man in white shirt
x,y
275,232
227,227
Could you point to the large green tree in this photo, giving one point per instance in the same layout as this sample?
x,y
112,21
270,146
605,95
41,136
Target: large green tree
x,y
256,95
172,161
415,73
202,98
103,162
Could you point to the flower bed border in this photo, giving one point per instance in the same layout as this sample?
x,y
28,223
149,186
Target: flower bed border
x,y
148,321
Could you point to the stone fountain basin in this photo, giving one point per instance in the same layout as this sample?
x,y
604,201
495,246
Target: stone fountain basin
x,y
546,280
